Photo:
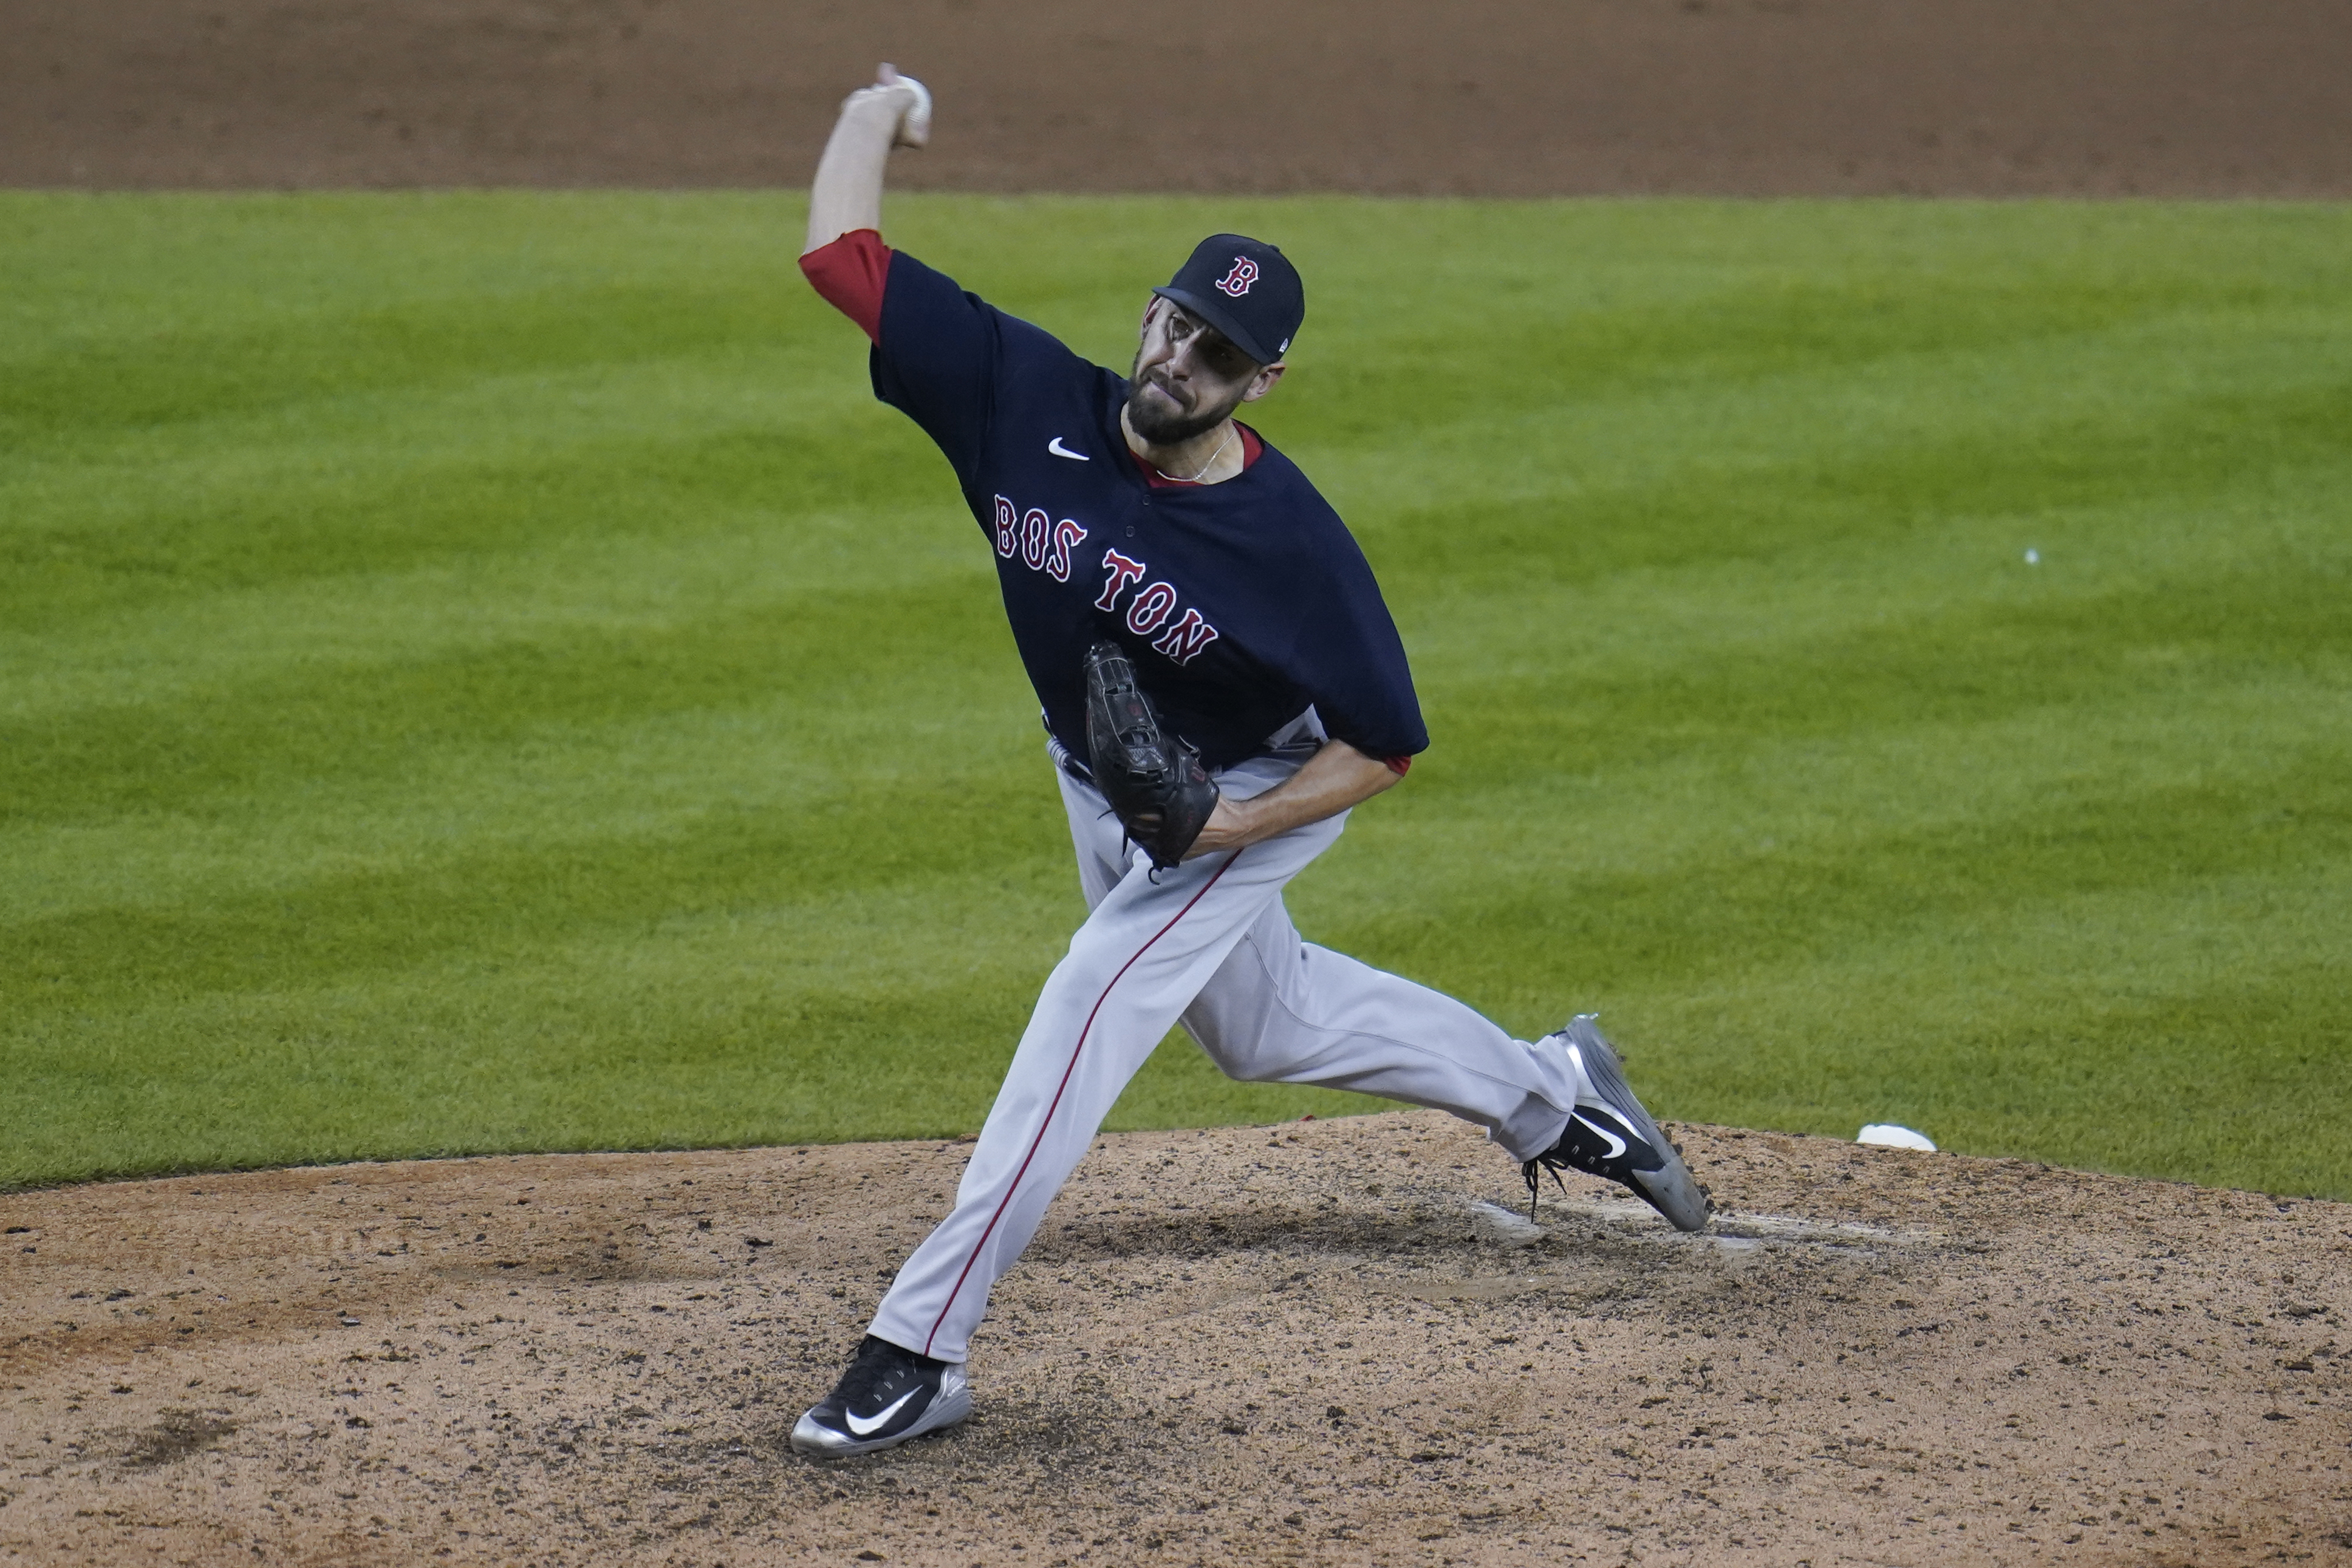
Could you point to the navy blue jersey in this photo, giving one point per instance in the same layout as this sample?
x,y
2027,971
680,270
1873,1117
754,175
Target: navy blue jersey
x,y
1241,604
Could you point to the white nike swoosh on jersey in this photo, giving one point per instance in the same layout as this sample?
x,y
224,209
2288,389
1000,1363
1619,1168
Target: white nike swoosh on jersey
x,y
1058,450
1617,1145
867,1426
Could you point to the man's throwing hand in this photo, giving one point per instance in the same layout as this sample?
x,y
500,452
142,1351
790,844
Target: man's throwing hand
x,y
909,98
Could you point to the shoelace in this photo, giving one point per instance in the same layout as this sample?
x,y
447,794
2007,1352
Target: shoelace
x,y
1555,1162
1535,1181
880,1371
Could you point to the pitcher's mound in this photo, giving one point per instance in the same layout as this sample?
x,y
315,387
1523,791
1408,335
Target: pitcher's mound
x,y
1306,1343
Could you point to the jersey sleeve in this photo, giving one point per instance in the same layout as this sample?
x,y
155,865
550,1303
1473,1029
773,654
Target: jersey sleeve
x,y
1350,657
849,274
936,360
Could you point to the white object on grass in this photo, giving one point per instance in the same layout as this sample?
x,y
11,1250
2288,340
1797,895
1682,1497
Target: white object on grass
x,y
1887,1135
2032,557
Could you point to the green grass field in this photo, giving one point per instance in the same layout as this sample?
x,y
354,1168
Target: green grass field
x,y
480,673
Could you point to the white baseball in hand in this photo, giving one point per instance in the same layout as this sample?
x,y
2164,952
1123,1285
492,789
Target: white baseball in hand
x,y
915,125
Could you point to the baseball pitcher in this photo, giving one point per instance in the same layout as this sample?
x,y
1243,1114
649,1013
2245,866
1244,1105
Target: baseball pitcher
x,y
1221,684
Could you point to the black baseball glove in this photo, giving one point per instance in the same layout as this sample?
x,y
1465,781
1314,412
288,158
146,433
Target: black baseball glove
x,y
1153,780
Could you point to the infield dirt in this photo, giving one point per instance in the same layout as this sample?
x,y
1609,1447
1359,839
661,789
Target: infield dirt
x,y
1481,97
1303,1344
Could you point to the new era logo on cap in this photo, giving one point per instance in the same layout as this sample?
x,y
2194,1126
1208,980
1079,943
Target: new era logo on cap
x,y
1246,289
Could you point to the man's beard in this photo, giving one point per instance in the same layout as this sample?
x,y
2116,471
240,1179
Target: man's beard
x,y
1165,429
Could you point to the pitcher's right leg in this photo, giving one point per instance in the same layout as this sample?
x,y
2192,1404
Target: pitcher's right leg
x,y
1282,1011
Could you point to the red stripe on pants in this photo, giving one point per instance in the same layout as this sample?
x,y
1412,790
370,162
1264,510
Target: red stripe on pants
x,y
1055,1104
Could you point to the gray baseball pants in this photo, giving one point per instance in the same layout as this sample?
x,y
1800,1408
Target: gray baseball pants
x,y
1207,942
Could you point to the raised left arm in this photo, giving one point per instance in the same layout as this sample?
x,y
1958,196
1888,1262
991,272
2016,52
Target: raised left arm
x,y
1335,780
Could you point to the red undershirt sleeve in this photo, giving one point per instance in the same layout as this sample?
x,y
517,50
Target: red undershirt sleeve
x,y
849,274
1399,766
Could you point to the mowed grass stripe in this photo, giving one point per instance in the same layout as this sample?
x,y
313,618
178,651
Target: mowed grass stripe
x,y
479,673
1983,663
285,505
1737,903
305,728
502,687
687,1029
1812,460
360,719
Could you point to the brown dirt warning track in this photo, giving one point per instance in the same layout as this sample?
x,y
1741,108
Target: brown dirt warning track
x,y
1301,1344
1484,97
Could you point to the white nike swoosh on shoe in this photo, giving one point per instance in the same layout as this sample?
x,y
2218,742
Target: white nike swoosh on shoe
x,y
1058,450
1617,1145
867,1426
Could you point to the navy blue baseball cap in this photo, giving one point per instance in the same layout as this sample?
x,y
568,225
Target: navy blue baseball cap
x,y
1245,289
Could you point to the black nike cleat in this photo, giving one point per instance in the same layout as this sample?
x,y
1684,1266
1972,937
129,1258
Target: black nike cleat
x,y
1610,1136
888,1396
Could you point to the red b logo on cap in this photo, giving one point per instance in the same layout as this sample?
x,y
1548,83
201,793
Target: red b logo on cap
x,y
1237,282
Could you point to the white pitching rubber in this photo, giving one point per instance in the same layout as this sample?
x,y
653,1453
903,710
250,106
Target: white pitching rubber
x,y
1505,1227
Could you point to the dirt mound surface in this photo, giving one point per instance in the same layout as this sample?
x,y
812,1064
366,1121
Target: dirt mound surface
x,y
1484,97
1299,1344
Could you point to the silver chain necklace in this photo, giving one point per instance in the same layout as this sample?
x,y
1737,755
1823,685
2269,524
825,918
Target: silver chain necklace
x,y
1204,467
